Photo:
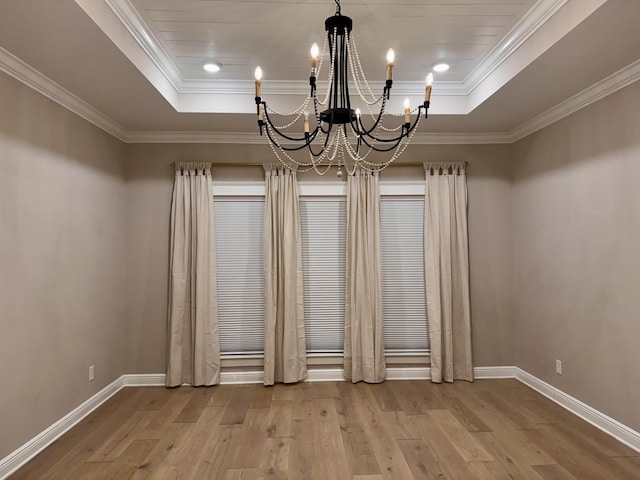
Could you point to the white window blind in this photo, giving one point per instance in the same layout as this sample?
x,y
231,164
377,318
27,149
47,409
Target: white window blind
x,y
323,227
403,288
239,249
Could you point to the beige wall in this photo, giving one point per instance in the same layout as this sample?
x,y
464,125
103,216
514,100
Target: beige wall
x,y
61,262
149,174
577,265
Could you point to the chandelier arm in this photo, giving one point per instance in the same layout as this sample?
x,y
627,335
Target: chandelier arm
x,y
287,137
283,135
406,130
396,141
322,149
379,117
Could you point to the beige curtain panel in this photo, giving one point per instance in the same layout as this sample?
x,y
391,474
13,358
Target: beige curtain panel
x,y
285,352
193,337
446,256
363,329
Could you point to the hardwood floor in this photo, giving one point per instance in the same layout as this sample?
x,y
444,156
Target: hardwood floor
x,y
491,429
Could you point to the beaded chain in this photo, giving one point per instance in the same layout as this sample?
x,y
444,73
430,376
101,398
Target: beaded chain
x,y
338,151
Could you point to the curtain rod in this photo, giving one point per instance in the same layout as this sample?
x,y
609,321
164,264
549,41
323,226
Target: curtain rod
x,y
255,164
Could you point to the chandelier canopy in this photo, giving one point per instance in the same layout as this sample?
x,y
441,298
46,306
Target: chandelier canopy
x,y
341,136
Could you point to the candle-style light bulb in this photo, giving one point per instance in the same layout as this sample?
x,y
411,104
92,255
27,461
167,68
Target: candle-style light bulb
x,y
427,92
315,51
358,122
407,110
391,57
258,74
306,122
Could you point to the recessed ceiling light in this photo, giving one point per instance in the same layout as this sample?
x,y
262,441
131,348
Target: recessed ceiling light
x,y
211,67
441,67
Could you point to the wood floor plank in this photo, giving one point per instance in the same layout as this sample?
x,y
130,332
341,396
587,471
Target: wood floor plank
x,y
553,472
137,452
274,462
301,458
261,397
423,463
188,451
577,462
389,457
215,456
470,449
402,426
630,465
334,431
407,394
279,419
385,398
428,395
122,438
503,427
191,412
236,410
221,395
358,450
449,459
456,405
329,456
514,462
251,440
242,474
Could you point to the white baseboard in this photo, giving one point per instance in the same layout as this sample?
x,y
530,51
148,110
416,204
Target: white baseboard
x,y
144,380
33,447
486,373
612,427
608,425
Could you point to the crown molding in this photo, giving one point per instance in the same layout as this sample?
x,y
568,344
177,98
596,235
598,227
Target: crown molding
x,y
255,139
598,91
136,26
29,76
301,87
542,11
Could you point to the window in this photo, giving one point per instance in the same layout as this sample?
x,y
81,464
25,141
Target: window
x,y
239,247
239,239
403,289
323,226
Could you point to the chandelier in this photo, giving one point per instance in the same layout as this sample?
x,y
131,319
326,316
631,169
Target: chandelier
x,y
341,135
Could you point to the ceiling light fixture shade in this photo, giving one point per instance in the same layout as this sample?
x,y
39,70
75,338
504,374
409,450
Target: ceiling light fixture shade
x,y
441,67
211,67
342,135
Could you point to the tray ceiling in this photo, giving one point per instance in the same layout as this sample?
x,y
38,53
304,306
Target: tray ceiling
x,y
134,67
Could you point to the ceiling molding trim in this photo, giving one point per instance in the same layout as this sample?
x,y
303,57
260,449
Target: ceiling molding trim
x,y
301,87
586,97
29,76
135,24
195,137
542,11
256,139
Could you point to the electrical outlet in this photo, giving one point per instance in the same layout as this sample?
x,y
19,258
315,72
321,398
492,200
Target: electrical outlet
x,y
91,373
559,367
